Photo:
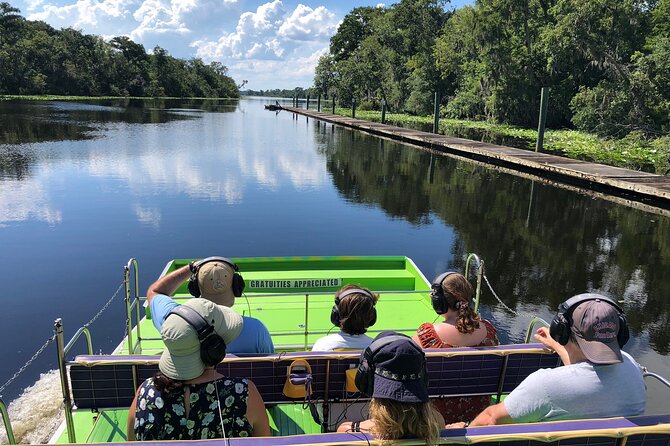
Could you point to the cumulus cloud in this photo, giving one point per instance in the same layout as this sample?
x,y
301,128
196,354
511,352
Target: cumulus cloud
x,y
159,16
270,33
81,13
306,23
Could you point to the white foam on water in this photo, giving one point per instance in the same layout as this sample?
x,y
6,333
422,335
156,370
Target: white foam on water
x,y
37,413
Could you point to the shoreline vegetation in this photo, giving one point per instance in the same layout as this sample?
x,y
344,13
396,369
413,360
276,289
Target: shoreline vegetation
x,y
634,151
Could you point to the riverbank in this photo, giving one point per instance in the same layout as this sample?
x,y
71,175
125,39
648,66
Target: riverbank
x,y
633,152
47,97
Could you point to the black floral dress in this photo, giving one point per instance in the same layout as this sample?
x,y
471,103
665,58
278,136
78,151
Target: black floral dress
x,y
163,416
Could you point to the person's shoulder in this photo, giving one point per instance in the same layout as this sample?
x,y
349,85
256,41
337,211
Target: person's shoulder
x,y
326,343
251,323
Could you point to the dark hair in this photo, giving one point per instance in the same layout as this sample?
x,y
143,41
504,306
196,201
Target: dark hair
x,y
165,384
356,310
458,291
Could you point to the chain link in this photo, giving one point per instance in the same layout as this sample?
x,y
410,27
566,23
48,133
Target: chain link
x,y
30,361
116,293
486,279
53,338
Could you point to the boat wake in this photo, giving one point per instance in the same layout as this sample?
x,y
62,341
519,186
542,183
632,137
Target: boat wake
x,y
37,413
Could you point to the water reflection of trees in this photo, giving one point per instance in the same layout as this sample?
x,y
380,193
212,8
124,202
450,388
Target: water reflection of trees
x,y
23,122
542,244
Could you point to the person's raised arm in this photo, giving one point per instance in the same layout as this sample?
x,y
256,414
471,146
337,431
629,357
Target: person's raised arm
x,y
169,283
542,335
492,415
256,413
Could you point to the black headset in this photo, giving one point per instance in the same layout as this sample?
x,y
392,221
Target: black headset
x,y
437,297
335,312
561,325
212,346
237,283
365,374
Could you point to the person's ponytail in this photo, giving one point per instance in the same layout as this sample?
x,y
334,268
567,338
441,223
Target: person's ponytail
x,y
468,320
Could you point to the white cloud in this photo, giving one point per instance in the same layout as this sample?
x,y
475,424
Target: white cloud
x,y
159,16
306,23
81,13
270,33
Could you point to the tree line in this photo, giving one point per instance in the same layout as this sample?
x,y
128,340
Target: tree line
x,y
607,62
38,59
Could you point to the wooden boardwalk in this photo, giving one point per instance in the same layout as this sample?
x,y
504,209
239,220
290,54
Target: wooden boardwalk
x,y
631,184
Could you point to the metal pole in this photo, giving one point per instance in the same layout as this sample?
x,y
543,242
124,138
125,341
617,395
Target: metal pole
x,y
307,102
436,113
318,104
384,111
353,108
8,425
333,104
129,319
64,384
544,102
306,318
133,263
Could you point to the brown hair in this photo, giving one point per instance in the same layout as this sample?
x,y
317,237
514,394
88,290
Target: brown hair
x,y
357,310
394,420
165,384
458,292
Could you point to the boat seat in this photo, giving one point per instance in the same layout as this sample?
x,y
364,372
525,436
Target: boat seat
x,y
104,381
631,431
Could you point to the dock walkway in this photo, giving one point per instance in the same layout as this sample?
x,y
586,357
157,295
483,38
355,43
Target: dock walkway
x,y
632,184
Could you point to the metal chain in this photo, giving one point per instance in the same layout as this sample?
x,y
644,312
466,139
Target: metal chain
x,y
53,338
116,293
486,279
30,361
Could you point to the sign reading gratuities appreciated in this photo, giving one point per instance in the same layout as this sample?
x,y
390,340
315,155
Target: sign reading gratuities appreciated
x,y
295,283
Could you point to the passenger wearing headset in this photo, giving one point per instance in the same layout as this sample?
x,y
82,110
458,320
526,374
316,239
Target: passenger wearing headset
x,y
188,399
353,312
597,379
392,370
451,296
216,279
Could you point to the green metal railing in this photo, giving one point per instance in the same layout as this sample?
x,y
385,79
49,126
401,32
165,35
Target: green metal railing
x,y
8,425
534,322
479,273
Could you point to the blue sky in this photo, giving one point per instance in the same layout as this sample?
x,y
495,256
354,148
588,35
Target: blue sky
x,y
271,43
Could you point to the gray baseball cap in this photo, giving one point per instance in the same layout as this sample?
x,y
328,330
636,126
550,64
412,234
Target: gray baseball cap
x,y
595,326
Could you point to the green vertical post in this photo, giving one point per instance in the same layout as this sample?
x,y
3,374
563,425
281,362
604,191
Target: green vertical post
x,y
436,113
353,108
544,103
307,102
318,104
383,111
333,104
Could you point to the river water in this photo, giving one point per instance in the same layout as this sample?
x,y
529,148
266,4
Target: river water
x,y
86,186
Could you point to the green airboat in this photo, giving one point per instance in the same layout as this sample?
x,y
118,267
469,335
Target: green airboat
x,y
293,296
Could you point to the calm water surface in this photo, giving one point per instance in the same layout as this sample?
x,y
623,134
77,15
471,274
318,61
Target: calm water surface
x,y
84,187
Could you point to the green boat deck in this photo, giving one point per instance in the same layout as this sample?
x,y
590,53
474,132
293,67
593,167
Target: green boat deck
x,y
294,296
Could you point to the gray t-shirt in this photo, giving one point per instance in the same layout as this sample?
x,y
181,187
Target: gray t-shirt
x,y
581,390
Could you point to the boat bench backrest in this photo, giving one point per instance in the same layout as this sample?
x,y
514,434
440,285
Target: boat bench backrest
x,y
109,381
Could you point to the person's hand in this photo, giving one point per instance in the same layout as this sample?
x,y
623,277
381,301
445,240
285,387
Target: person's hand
x,y
458,425
542,336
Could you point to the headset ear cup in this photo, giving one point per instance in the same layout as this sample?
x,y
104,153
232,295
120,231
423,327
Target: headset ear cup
x,y
335,316
365,374
624,333
438,301
560,329
373,320
193,286
238,285
212,350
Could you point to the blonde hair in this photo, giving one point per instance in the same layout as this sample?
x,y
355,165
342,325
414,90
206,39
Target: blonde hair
x,y
394,420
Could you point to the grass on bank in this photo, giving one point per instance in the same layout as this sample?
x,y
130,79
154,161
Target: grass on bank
x,y
632,152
